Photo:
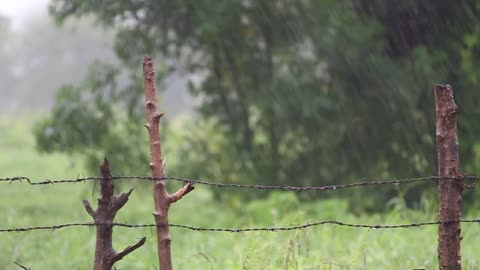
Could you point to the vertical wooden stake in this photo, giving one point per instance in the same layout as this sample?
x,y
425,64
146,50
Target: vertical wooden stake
x,y
450,190
162,199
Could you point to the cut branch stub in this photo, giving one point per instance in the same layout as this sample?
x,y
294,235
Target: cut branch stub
x,y
89,209
121,200
108,205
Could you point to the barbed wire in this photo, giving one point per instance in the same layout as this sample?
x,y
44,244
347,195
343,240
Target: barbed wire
x,y
248,186
239,230
21,266
15,179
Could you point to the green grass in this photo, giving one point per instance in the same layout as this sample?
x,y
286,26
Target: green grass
x,y
324,247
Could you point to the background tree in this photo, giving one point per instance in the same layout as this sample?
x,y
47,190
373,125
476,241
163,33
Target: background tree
x,y
291,92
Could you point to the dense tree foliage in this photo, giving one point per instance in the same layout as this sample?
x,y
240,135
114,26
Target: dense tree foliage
x,y
291,91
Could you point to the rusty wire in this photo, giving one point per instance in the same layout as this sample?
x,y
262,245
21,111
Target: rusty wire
x,y
239,230
248,186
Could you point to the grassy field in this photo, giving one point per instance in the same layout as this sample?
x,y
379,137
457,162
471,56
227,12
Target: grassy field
x,y
324,247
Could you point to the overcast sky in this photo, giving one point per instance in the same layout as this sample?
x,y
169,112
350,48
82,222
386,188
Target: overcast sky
x,y
19,10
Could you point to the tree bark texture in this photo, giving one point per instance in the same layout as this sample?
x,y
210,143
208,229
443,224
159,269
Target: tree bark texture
x,y
449,187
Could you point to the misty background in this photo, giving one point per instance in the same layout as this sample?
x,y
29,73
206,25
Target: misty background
x,y
37,57
280,92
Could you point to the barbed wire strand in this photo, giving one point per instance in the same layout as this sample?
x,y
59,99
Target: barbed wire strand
x,y
233,230
15,179
247,186
21,266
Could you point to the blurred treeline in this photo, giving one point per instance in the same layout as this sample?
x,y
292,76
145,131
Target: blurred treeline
x,y
297,92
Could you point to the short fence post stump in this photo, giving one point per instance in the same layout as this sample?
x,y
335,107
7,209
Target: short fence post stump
x,y
108,206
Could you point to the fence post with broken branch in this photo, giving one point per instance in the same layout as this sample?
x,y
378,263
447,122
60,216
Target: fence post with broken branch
x,y
162,198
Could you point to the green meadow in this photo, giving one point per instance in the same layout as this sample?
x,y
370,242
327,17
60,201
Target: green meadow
x,y
322,247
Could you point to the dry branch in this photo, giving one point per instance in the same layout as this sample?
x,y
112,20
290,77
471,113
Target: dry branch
x,y
108,205
162,198
450,192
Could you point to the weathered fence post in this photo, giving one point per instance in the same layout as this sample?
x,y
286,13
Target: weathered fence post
x,y
108,205
450,186
162,198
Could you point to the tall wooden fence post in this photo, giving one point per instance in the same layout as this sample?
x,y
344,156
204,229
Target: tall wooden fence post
x,y
449,187
162,198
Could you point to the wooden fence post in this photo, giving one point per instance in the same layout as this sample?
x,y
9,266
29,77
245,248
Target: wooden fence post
x,y
108,205
162,198
449,187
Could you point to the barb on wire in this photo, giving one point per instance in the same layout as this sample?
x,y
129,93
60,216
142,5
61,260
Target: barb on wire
x,y
249,186
15,179
234,230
